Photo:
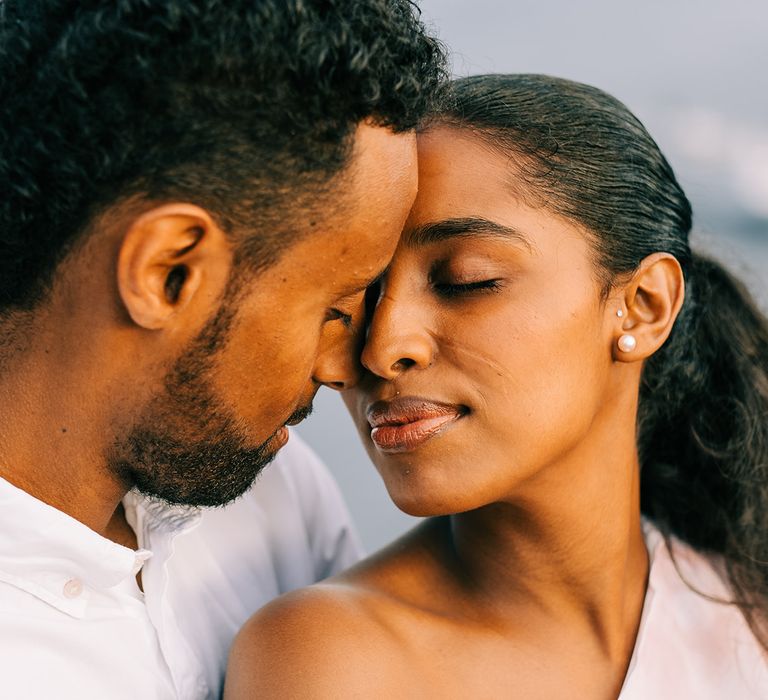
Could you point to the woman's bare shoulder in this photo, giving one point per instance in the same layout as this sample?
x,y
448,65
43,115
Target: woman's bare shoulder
x,y
324,641
340,638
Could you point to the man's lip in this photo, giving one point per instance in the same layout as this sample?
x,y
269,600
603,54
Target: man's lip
x,y
410,409
300,414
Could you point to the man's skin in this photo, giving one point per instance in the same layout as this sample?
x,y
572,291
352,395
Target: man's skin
x,y
85,365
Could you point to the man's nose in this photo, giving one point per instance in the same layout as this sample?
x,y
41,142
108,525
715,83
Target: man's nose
x,y
338,361
398,338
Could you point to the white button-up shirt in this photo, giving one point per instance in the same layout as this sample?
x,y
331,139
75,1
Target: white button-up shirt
x,y
74,624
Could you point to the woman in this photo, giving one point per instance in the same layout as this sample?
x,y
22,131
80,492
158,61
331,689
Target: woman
x,y
581,405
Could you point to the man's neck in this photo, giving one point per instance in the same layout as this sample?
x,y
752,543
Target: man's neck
x,y
119,529
56,432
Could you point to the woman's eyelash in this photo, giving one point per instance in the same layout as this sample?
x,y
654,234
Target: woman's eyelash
x,y
336,315
449,289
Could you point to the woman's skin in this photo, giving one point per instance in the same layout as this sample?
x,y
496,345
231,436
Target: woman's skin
x,y
500,399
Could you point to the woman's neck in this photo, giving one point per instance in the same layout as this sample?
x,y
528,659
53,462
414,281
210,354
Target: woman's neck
x,y
568,550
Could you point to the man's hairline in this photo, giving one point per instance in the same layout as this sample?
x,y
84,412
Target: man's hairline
x,y
125,208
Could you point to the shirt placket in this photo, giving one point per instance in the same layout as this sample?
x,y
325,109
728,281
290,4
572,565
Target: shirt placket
x,y
184,668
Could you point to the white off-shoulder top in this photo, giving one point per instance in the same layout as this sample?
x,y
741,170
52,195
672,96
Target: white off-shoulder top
x,y
690,646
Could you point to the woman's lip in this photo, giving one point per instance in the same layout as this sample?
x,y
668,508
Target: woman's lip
x,y
408,410
405,437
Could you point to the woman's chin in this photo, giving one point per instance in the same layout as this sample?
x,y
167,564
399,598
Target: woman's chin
x,y
426,489
423,510
425,504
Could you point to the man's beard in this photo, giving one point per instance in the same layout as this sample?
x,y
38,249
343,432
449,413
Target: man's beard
x,y
204,473
187,448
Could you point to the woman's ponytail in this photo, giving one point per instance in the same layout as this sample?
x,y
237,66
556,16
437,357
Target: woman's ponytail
x,y
703,433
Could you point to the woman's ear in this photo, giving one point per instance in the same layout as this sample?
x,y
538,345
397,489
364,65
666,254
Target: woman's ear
x,y
171,257
651,302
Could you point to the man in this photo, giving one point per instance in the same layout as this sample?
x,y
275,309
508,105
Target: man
x,y
195,195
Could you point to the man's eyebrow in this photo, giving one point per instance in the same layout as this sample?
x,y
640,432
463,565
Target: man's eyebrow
x,y
468,226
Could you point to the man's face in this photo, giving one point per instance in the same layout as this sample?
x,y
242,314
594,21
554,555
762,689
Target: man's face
x,y
258,363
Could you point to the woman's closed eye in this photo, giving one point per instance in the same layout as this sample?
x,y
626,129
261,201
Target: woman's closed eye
x,y
450,290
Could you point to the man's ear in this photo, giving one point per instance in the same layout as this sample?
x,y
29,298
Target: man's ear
x,y
651,302
173,258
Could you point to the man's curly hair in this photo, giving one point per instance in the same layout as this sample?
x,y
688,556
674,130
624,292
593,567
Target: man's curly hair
x,y
236,105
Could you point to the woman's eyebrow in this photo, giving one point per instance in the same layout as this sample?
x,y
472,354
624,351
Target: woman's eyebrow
x,y
468,226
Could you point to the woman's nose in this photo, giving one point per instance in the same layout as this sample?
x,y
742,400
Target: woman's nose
x,y
397,339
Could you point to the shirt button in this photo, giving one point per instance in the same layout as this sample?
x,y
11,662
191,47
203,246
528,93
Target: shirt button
x,y
73,588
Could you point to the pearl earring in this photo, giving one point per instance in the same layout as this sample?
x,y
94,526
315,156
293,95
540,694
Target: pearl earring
x,y
619,313
627,343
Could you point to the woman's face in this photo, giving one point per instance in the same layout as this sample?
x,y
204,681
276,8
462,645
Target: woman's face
x,y
489,352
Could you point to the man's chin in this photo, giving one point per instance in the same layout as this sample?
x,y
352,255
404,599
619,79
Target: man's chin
x,y
208,475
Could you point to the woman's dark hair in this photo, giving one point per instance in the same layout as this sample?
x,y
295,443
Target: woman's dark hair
x,y
703,409
238,105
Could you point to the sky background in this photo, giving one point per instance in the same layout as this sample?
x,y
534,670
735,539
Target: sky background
x,y
694,71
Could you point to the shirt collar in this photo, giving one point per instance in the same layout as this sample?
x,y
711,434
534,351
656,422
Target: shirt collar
x,y
59,559
159,516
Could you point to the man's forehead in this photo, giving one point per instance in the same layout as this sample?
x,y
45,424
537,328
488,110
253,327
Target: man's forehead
x,y
381,157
